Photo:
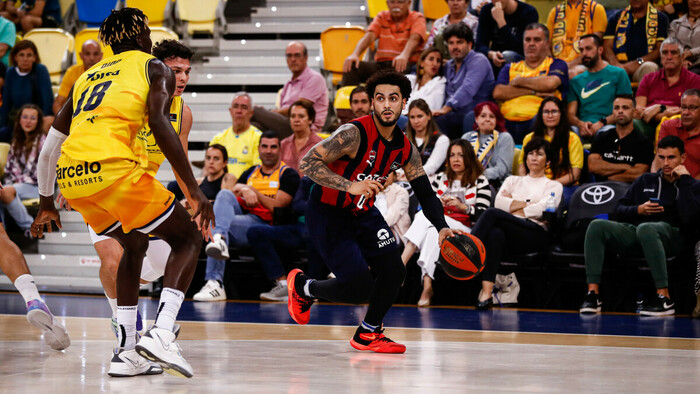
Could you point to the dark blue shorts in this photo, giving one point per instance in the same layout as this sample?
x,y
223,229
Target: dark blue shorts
x,y
346,240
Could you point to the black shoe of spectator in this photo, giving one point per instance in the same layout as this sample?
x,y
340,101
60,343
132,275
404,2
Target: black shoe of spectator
x,y
591,303
659,306
484,305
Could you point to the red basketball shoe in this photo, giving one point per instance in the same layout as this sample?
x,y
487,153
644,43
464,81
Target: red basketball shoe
x,y
297,303
375,341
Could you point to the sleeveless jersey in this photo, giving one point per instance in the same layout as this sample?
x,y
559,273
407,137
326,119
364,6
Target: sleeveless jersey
x,y
155,155
267,185
376,158
109,109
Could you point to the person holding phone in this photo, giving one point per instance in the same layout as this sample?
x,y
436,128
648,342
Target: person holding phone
x,y
654,214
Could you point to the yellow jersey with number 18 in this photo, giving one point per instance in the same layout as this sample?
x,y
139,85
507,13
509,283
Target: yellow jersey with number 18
x,y
155,154
109,110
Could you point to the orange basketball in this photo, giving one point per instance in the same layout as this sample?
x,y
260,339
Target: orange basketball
x,y
462,256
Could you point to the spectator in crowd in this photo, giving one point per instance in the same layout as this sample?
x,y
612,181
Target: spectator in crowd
x,y
305,83
258,191
659,93
8,35
428,83
565,146
501,28
522,85
570,21
686,30
241,139
475,7
27,81
359,102
687,128
517,218
591,94
294,147
217,176
621,153
652,217
458,13
271,243
20,178
633,37
425,135
38,13
465,194
469,81
494,147
392,202
401,34
90,54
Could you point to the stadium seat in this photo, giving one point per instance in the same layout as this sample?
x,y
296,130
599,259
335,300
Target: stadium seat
x,y
337,43
658,128
55,50
159,34
341,104
89,34
516,157
435,9
375,6
199,16
4,151
157,11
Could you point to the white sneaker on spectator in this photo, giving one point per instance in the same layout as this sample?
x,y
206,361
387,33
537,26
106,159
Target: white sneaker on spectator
x,y
129,363
212,291
217,248
159,345
278,293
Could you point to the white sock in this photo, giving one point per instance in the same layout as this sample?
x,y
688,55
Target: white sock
x,y
126,318
368,326
112,304
283,282
27,288
170,301
307,292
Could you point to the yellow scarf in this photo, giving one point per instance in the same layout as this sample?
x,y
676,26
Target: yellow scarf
x,y
623,25
559,32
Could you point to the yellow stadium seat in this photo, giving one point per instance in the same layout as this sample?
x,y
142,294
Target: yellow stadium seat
x,y
376,6
55,49
89,33
658,128
159,34
155,10
198,15
4,151
337,43
31,203
435,9
516,164
341,104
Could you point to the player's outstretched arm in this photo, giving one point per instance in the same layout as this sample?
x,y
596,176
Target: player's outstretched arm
x,y
344,142
162,88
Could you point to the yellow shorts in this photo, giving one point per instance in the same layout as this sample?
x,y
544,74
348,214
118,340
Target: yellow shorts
x,y
136,201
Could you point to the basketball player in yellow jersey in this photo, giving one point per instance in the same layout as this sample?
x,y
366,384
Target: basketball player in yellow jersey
x,y
102,174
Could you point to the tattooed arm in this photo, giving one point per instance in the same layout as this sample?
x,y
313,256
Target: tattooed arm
x,y
345,141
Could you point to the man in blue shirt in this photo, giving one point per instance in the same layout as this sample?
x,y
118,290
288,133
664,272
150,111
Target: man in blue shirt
x,y
469,82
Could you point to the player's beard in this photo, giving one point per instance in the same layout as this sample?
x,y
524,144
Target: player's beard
x,y
385,123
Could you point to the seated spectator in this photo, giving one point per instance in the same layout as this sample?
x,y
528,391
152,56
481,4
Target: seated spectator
x,y
39,13
241,139
475,7
8,35
294,147
564,144
469,81
401,36
651,216
493,146
686,30
633,37
687,128
659,93
465,193
392,202
621,153
20,178
570,21
359,102
27,81
428,83
522,85
305,83
458,13
517,218
258,191
425,135
217,176
591,94
501,28
90,54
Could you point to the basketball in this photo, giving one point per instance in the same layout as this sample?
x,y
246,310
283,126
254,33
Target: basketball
x,y
462,256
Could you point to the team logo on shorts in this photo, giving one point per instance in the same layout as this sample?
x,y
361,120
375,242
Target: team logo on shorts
x,y
372,157
385,238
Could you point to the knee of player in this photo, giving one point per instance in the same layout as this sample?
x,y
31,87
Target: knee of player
x,y
110,253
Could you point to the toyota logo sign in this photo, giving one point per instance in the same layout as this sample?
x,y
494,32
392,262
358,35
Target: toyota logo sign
x,y
598,195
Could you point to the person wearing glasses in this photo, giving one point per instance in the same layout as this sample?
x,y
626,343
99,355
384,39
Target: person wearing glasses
x,y
305,84
687,128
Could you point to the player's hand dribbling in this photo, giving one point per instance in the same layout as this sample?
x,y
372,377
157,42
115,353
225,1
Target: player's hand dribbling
x,y
367,188
47,213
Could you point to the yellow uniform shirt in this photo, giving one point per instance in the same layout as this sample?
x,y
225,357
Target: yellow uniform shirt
x,y
575,152
525,107
155,155
69,79
242,148
564,34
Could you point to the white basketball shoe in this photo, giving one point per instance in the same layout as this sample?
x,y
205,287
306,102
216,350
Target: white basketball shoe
x,y
158,345
127,363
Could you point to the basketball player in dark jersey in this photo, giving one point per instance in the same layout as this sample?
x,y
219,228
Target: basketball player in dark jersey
x,y
349,169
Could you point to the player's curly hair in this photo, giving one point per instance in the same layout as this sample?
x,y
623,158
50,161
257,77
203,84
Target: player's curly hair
x,y
389,77
122,26
171,48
